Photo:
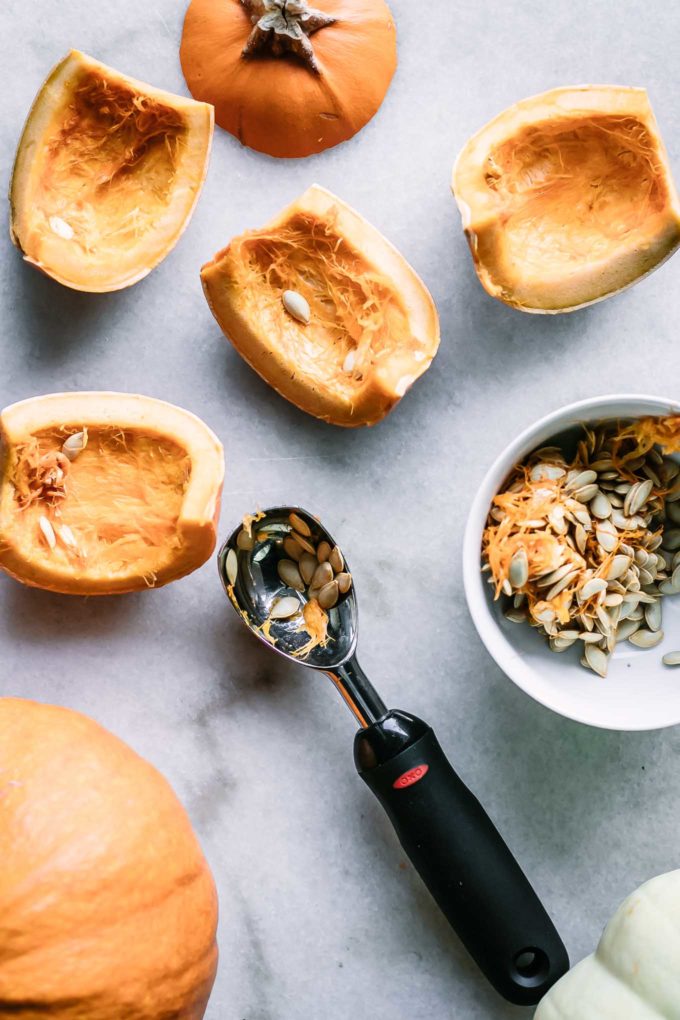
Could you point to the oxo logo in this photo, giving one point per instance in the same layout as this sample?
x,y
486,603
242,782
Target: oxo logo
x,y
410,777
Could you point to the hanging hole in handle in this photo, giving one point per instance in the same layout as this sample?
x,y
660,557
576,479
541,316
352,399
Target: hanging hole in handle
x,y
531,966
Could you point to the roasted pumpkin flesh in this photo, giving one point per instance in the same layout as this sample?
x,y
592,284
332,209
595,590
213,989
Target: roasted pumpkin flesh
x,y
106,168
577,193
111,512
357,319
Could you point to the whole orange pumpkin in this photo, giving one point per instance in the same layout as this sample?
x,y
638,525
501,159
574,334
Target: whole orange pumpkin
x,y
288,78
108,909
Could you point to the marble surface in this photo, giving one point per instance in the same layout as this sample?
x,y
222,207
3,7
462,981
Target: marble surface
x,y
320,913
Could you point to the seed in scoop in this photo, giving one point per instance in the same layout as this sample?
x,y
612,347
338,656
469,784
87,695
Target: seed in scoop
x,y
328,595
323,552
290,575
308,565
300,526
336,560
284,608
322,575
344,582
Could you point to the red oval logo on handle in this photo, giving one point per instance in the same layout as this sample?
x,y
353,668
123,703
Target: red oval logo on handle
x,y
412,776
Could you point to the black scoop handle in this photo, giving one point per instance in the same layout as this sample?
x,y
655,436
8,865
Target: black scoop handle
x,y
461,857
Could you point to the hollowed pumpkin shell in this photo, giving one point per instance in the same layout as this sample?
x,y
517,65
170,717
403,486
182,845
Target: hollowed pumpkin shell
x,y
567,198
135,509
373,326
108,909
107,174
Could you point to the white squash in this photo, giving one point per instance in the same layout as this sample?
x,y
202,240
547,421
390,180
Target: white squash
x,y
634,974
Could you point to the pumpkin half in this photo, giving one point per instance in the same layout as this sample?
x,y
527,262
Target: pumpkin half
x,y
288,78
373,327
108,908
102,493
567,198
107,174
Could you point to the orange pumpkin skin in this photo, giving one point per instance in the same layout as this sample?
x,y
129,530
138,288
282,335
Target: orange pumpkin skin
x,y
108,909
141,501
276,104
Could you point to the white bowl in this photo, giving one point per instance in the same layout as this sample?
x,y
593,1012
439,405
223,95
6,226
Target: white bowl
x,y
639,692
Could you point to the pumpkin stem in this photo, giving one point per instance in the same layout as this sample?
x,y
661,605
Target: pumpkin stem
x,y
284,26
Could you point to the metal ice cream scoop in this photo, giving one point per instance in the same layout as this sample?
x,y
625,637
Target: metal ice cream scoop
x,y
448,836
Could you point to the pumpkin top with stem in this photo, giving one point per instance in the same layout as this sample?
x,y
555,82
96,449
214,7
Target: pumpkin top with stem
x,y
284,26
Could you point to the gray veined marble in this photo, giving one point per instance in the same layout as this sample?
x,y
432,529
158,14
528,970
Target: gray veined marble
x,y
321,915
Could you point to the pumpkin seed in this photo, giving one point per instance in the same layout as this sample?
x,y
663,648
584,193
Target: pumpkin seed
x,y
299,525
232,566
618,566
606,541
646,638
671,539
284,608
600,506
293,550
245,541
592,587
337,562
671,659
307,566
344,582
637,497
304,543
290,575
348,363
514,615
557,521
61,228
581,537
580,479
547,580
67,536
626,628
668,588
586,493
673,512
322,575
328,595
323,551
562,584
671,468
612,599
539,472
47,532
596,659
673,494
74,445
296,305
646,577
651,473
590,638
653,615
518,573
